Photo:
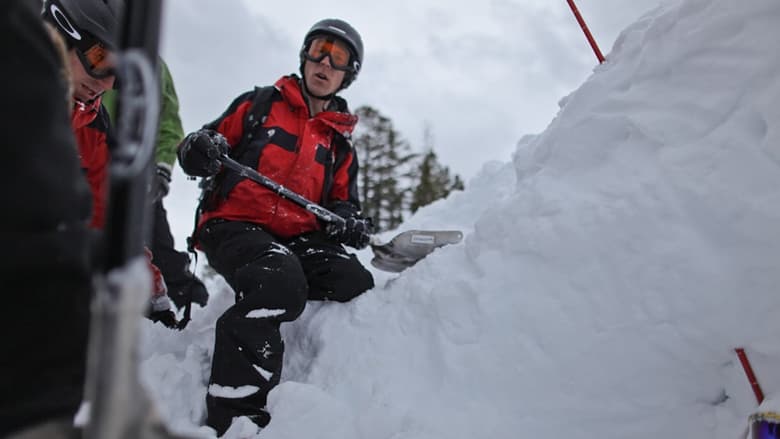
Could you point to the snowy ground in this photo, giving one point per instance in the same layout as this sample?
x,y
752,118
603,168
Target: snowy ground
x,y
607,273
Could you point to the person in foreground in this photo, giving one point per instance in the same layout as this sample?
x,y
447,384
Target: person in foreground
x,y
45,274
274,254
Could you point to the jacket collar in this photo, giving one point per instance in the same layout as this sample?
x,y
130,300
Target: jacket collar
x,y
83,114
337,116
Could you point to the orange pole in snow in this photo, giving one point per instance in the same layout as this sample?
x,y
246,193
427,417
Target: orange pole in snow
x,y
585,29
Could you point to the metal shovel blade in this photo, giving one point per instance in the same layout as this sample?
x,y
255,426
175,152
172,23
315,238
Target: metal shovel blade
x,y
408,248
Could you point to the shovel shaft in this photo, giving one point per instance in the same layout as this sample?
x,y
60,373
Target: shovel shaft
x,y
401,252
247,172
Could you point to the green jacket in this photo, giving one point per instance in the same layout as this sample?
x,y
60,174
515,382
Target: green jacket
x,y
170,131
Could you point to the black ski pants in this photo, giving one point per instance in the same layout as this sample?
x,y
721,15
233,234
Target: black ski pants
x,y
272,280
183,285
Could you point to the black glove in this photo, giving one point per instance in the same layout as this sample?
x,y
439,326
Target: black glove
x,y
200,151
167,318
162,181
158,309
356,232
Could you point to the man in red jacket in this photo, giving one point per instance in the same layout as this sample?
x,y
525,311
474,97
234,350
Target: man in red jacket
x,y
88,28
274,254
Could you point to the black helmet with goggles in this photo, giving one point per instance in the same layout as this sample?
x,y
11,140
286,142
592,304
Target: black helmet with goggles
x,y
337,40
89,26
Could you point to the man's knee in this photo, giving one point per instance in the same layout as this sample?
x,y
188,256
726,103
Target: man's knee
x,y
345,281
272,285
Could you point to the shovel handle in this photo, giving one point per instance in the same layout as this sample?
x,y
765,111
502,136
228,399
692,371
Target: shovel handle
x,y
247,172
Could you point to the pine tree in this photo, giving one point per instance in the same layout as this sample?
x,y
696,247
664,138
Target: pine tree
x,y
434,181
385,169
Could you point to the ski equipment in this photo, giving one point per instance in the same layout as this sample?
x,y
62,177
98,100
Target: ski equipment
x,y
247,172
332,47
119,406
588,35
88,27
74,18
401,252
407,248
751,376
342,30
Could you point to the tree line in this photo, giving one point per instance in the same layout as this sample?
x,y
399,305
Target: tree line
x,y
394,181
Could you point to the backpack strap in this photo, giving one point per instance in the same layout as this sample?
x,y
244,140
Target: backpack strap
x,y
341,148
255,117
246,151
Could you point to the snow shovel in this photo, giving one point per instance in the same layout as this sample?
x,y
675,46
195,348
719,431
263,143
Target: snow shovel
x,y
407,248
403,251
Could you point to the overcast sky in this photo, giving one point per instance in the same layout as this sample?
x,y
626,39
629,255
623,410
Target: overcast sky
x,y
481,74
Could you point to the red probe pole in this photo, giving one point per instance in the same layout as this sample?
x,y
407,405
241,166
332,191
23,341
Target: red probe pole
x,y
750,375
585,29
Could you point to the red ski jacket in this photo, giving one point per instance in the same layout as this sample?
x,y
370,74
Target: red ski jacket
x,y
91,127
308,155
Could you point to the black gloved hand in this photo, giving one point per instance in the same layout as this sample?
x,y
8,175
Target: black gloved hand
x,y
162,181
158,309
199,152
167,318
356,232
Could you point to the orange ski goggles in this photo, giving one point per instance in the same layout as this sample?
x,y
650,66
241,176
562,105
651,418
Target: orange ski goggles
x,y
97,59
332,47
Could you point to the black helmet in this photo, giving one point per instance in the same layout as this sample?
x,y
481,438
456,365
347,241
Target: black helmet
x,y
100,19
339,29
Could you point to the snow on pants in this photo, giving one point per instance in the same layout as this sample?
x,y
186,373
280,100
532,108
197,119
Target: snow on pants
x,y
272,281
